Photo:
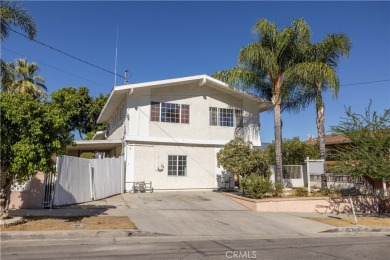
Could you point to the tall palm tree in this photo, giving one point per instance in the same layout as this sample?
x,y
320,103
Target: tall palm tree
x,y
12,13
25,80
320,76
264,64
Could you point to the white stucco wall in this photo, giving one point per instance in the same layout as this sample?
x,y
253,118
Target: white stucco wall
x,y
138,107
200,99
116,121
201,167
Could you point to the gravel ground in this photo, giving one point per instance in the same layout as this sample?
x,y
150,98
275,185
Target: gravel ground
x,y
71,223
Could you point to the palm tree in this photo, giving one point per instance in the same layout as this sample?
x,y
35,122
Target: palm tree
x,y
7,76
264,64
13,14
320,76
25,80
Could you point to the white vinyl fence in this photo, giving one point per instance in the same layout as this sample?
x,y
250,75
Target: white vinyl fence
x,y
295,176
292,175
81,180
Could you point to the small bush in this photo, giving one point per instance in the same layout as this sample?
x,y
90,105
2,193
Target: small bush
x,y
259,187
278,192
326,192
301,192
87,155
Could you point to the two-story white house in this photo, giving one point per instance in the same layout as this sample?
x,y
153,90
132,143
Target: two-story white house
x,y
170,131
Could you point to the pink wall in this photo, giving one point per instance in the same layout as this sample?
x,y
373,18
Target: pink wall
x,y
30,198
362,204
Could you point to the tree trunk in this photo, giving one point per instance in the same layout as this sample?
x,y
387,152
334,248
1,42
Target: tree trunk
x,y
278,143
321,131
5,194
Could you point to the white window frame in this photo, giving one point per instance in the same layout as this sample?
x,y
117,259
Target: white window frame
x,y
175,104
176,160
235,112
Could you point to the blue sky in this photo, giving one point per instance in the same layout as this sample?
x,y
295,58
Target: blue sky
x,y
162,40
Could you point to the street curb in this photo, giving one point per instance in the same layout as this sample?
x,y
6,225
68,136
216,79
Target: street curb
x,y
357,229
65,234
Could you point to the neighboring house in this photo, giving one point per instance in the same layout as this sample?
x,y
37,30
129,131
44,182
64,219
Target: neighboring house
x,y
332,143
170,130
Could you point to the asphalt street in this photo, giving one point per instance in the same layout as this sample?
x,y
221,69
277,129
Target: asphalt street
x,y
353,247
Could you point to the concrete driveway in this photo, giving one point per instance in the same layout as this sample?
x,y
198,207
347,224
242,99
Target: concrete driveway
x,y
206,213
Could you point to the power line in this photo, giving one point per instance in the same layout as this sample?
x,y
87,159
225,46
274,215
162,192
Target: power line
x,y
366,82
64,71
67,54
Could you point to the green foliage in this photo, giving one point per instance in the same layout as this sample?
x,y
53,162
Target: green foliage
x,y
259,187
87,155
31,134
240,159
369,153
95,108
14,14
278,190
24,79
294,152
301,192
79,109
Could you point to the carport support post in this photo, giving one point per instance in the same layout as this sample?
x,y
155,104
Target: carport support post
x,y
308,176
353,209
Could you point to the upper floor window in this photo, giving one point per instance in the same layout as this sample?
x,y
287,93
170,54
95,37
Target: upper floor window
x,y
169,112
225,117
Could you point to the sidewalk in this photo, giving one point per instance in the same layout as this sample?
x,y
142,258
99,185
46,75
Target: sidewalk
x,y
189,215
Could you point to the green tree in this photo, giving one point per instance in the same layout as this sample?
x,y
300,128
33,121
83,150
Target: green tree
x,y
263,66
294,152
12,13
93,114
240,159
32,132
25,80
318,74
369,152
80,109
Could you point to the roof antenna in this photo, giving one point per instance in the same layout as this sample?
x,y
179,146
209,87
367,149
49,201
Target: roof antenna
x,y
116,54
126,81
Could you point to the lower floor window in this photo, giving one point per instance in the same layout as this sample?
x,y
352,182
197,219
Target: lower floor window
x,y
177,165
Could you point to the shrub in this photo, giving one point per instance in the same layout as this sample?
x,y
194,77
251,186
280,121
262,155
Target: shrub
x,y
87,155
239,158
259,186
278,192
301,192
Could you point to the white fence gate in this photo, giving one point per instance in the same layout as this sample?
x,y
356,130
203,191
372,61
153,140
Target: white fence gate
x,y
80,180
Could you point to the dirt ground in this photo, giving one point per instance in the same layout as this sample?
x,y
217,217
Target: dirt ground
x,y
72,223
350,221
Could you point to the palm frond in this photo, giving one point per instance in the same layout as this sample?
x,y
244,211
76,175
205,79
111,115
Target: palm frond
x,y
255,56
13,13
